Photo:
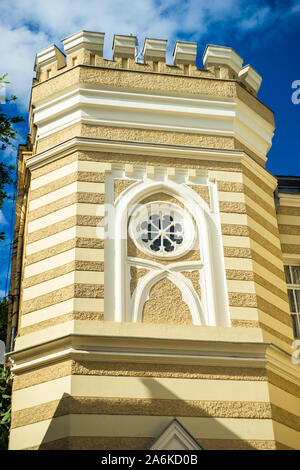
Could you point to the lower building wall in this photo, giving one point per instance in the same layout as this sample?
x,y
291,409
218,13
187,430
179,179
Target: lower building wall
x,y
126,406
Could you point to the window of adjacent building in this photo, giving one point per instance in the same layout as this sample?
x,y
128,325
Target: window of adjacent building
x,y
292,275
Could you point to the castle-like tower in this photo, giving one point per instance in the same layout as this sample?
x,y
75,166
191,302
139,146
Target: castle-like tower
x,y
148,277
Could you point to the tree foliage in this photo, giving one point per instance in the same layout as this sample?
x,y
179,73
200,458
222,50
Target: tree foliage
x,y
5,406
8,135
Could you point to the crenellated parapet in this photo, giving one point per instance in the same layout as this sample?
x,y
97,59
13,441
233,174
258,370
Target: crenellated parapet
x,y
86,48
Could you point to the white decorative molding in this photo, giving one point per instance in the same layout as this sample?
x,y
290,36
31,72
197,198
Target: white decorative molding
x,y
124,46
155,49
220,55
142,213
117,345
185,52
49,56
84,39
175,437
213,309
230,117
249,76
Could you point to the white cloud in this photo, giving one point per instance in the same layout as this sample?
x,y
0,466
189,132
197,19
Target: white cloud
x,y
27,26
3,220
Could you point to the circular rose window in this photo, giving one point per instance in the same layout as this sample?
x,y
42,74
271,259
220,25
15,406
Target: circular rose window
x,y
162,229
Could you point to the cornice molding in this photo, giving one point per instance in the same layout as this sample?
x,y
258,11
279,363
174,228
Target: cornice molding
x,y
205,115
145,148
139,349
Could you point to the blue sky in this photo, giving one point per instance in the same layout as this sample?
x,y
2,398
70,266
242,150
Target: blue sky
x,y
265,33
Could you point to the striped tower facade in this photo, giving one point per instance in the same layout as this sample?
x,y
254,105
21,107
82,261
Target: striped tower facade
x,y
115,334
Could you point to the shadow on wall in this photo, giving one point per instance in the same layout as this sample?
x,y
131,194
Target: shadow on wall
x,y
87,423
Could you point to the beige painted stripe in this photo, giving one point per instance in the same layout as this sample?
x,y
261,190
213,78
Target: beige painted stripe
x,y
142,443
289,239
52,196
289,229
263,230
84,198
52,240
268,215
52,274
80,165
288,219
265,273
92,181
53,199
228,186
54,175
271,287
264,253
62,308
241,299
243,313
86,226
271,298
257,185
231,252
62,294
235,230
273,311
290,249
50,263
284,209
276,325
140,406
72,316
242,242
284,400
129,369
287,436
149,426
255,196
141,387
47,313
239,275
232,207
274,337
263,262
78,254
65,213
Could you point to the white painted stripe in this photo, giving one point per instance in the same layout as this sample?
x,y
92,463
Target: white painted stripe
x,y
54,175
231,197
243,313
52,240
78,254
83,277
56,310
232,218
236,241
241,286
47,313
238,263
98,167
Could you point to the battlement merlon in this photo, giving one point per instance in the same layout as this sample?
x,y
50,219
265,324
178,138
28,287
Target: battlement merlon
x,y
214,106
86,48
